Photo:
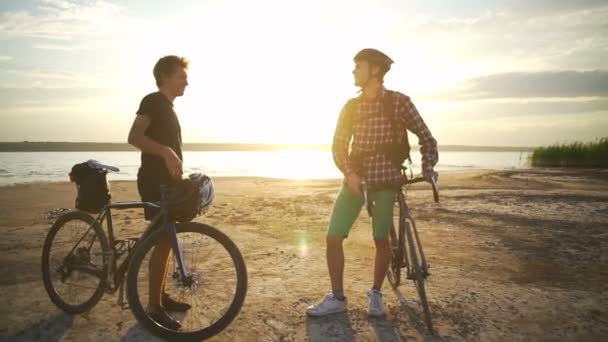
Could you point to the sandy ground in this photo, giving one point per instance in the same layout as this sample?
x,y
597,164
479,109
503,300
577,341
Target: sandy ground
x,y
515,256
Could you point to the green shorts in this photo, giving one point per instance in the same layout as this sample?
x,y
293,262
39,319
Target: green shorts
x,y
348,206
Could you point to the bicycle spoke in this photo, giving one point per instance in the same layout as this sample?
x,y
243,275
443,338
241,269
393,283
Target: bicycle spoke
x,y
417,273
73,263
81,286
211,286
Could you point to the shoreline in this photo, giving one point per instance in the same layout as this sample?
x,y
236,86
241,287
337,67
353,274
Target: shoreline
x,y
234,178
582,170
35,146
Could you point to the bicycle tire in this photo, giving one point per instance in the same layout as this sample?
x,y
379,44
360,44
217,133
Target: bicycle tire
x,y
418,273
396,258
55,297
213,329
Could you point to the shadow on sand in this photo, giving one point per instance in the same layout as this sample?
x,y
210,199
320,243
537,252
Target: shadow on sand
x,y
49,329
335,327
137,332
414,315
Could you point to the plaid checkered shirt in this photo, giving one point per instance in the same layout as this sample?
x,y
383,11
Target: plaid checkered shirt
x,y
368,128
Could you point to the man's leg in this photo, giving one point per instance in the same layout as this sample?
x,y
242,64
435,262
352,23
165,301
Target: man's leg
x,y
158,269
335,262
149,191
382,221
164,279
167,302
381,262
345,212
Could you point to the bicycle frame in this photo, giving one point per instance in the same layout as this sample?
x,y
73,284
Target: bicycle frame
x,y
409,253
404,212
116,273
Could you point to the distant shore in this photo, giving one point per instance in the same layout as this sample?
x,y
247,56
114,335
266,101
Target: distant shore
x,y
36,146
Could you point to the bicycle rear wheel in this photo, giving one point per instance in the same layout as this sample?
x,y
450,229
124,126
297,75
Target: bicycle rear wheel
x,y
74,268
218,285
418,271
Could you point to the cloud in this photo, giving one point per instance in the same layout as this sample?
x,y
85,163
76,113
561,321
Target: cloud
x,y
62,47
523,132
547,6
545,84
573,37
517,109
38,78
67,20
58,4
44,74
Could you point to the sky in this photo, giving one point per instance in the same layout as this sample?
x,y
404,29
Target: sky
x,y
492,72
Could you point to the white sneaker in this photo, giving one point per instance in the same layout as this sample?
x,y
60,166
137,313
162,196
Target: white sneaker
x,y
329,305
375,308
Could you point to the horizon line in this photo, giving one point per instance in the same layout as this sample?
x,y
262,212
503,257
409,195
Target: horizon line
x,y
43,146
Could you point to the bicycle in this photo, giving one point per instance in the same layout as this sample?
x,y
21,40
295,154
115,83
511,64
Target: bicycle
x,y
406,247
87,264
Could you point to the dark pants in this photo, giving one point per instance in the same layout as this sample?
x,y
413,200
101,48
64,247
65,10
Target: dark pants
x,y
149,190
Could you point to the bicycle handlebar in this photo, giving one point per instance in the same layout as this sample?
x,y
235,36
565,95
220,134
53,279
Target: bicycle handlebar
x,y
433,184
419,179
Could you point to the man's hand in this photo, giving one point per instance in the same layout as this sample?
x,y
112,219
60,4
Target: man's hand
x,y
174,164
353,181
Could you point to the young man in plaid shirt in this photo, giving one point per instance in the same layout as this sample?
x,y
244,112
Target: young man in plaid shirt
x,y
363,120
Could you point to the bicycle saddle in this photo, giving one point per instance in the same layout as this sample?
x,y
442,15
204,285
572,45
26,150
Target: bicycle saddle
x,y
102,167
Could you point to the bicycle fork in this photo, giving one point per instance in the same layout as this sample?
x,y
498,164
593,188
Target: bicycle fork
x,y
179,256
368,205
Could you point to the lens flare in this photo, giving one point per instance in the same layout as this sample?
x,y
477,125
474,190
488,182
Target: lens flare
x,y
302,244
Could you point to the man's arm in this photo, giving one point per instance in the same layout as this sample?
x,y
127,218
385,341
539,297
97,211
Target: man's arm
x,y
138,139
428,144
342,137
341,144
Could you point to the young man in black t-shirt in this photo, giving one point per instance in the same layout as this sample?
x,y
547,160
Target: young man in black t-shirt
x,y
157,133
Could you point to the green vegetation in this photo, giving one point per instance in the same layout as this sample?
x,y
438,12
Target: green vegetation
x,y
578,154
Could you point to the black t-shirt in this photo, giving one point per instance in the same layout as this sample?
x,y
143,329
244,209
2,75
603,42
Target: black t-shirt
x,y
164,128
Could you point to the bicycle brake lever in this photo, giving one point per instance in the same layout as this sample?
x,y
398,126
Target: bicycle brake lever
x,y
435,184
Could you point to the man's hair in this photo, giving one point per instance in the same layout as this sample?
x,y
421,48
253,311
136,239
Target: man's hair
x,y
167,65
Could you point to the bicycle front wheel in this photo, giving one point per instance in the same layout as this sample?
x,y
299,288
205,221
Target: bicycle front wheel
x,y
74,268
418,269
397,248
216,286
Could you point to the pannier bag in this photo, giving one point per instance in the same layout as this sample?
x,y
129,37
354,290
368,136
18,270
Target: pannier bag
x,y
93,187
190,197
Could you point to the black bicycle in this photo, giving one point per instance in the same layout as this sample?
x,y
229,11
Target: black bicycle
x,y
406,247
206,270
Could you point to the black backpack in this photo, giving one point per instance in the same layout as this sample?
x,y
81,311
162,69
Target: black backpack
x,y
93,187
398,150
